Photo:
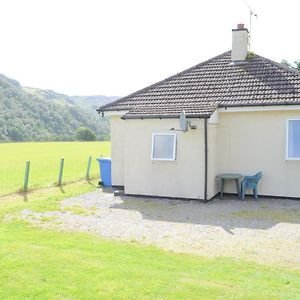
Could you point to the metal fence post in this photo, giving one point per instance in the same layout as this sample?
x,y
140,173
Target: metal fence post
x,y
61,169
26,177
88,168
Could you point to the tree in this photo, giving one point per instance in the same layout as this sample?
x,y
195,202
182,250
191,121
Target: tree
x,y
85,134
15,134
295,65
286,63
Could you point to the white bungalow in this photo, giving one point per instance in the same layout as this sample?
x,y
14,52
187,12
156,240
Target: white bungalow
x,y
244,112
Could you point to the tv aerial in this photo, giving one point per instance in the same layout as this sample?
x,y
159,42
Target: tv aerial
x,y
252,14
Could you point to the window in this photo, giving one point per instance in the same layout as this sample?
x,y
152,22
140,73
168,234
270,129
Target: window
x,y
163,146
293,139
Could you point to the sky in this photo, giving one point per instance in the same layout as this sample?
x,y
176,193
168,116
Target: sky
x,y
115,47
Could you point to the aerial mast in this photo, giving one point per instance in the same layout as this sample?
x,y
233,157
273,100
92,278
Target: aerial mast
x,y
251,13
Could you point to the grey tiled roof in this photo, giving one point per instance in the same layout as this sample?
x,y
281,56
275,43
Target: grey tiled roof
x,y
211,84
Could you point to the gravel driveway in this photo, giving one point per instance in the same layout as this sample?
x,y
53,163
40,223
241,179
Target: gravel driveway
x,y
264,230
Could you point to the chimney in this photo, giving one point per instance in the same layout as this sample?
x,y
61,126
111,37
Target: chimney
x,y
240,38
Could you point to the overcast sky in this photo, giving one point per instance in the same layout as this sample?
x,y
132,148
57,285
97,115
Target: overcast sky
x,y
115,47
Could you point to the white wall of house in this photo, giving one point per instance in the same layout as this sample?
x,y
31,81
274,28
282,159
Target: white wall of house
x,y
213,163
183,177
117,150
248,142
240,142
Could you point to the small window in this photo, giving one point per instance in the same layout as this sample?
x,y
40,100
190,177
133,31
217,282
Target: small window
x,y
293,139
163,146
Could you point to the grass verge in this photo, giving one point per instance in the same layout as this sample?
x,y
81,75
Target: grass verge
x,y
47,264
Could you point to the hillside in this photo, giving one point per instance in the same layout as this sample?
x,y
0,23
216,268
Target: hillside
x,y
92,101
87,102
29,114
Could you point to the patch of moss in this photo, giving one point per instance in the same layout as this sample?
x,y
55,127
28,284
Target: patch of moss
x,y
48,219
250,55
78,210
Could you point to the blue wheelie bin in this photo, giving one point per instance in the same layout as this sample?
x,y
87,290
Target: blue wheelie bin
x,y
105,170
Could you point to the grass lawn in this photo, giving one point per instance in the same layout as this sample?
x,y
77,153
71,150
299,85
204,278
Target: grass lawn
x,y
44,158
43,264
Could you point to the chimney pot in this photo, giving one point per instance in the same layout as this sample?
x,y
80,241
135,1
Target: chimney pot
x,y
240,26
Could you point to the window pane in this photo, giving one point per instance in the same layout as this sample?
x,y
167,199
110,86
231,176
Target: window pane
x,y
294,139
163,146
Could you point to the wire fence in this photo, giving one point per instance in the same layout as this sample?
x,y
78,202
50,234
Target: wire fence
x,y
33,174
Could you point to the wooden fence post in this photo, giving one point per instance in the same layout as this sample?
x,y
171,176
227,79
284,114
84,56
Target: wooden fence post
x,y
61,169
26,176
88,168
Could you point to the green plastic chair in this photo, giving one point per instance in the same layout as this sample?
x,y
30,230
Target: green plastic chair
x,y
250,182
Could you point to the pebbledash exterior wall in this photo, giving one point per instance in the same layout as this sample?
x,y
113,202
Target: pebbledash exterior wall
x,y
249,142
117,151
131,152
180,178
239,142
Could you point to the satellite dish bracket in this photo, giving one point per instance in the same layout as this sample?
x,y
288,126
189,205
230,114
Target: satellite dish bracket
x,y
184,124
191,126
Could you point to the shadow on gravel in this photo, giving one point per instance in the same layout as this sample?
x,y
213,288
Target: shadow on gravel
x,y
228,213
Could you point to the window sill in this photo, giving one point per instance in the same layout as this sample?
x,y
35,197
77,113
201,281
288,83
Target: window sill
x,y
163,159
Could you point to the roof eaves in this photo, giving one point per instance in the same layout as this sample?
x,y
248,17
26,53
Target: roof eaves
x,y
112,109
259,104
164,116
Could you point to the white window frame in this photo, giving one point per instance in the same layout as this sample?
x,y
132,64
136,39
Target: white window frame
x,y
287,140
174,147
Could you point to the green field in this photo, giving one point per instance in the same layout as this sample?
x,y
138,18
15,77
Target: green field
x,y
44,162
45,264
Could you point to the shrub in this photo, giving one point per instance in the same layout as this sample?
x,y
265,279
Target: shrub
x,y
85,134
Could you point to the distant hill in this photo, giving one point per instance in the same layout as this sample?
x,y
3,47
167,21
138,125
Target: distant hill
x,y
88,102
93,101
31,114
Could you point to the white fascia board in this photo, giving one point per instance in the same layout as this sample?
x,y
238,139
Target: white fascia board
x,y
258,108
115,113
